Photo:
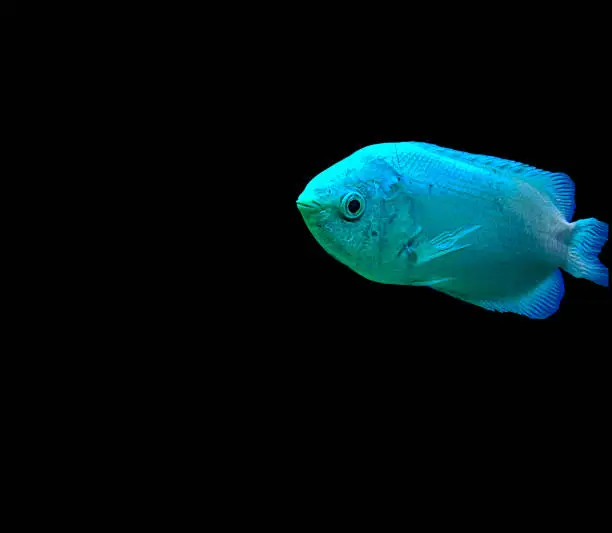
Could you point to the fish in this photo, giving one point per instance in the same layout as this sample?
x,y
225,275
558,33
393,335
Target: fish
x,y
491,232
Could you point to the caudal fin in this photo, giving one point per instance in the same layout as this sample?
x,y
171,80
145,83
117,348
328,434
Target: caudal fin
x,y
588,237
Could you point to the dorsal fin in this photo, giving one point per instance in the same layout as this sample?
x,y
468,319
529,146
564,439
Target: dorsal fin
x,y
557,186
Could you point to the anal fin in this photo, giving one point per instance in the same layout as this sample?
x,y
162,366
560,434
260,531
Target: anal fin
x,y
541,302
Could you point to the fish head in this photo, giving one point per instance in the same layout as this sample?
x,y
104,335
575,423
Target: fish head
x,y
354,208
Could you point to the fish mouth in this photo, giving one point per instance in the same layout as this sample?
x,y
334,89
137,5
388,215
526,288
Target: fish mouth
x,y
311,205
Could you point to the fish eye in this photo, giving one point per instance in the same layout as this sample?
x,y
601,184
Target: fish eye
x,y
353,205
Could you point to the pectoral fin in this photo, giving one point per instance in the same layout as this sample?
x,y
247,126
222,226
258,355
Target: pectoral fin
x,y
442,244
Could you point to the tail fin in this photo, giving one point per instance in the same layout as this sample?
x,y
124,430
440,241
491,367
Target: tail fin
x,y
588,237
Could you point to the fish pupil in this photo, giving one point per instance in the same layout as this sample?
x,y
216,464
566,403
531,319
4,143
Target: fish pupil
x,y
354,206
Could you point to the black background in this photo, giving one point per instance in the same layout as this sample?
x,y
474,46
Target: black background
x,y
296,355
242,345
285,117
317,337
296,332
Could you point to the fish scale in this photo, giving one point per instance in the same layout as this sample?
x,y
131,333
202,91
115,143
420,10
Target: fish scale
x,y
466,197
426,169
454,190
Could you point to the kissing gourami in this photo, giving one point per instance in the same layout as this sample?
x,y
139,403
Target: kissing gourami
x,y
489,231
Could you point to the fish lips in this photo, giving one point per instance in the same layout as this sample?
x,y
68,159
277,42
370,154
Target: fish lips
x,y
308,206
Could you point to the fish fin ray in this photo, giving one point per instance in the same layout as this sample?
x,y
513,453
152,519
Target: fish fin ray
x,y
557,186
541,302
588,237
442,244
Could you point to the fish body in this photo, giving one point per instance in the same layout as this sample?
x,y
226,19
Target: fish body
x,y
486,230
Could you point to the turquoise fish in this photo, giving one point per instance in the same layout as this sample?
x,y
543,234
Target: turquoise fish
x,y
485,230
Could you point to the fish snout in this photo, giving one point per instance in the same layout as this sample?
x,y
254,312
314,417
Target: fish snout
x,y
307,203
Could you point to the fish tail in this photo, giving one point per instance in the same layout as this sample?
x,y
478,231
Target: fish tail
x,y
587,239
